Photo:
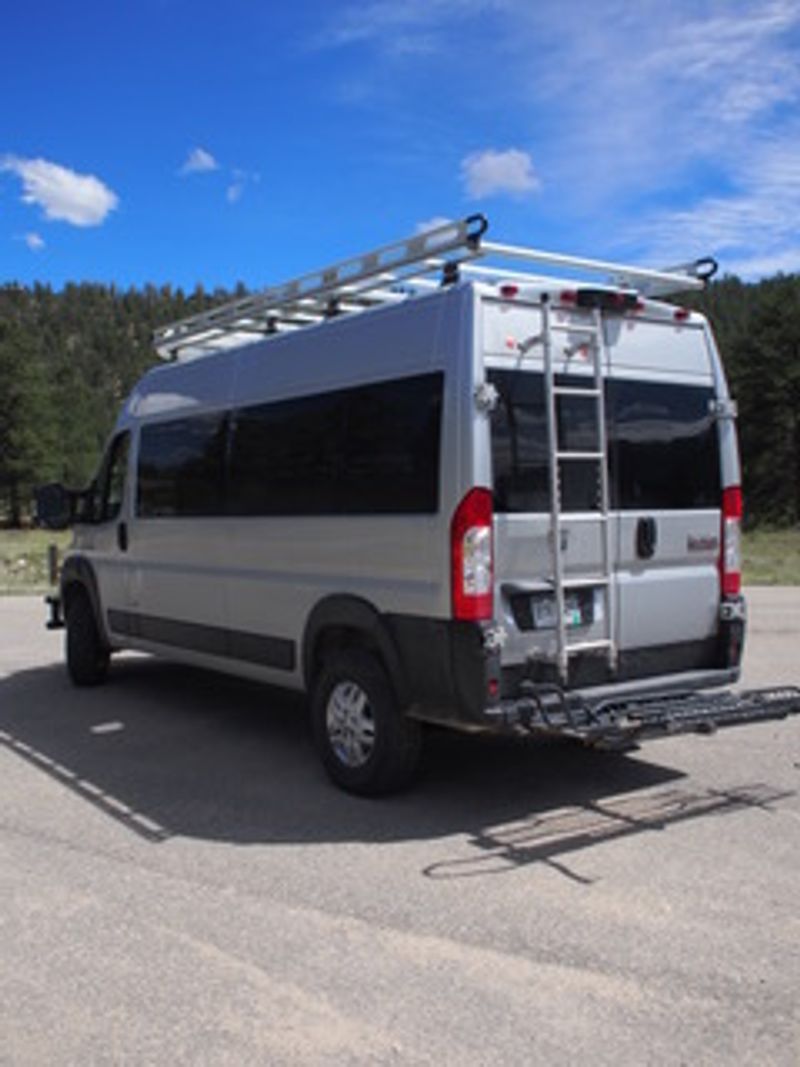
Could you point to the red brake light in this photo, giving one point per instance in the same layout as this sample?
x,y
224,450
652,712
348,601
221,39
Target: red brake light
x,y
471,555
508,292
730,558
681,314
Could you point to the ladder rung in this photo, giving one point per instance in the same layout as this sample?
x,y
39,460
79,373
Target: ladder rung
x,y
598,515
584,583
563,327
597,456
569,390
589,646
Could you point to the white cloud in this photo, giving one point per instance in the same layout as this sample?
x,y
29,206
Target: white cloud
x,y
199,161
644,95
34,241
489,173
752,227
642,118
241,180
62,194
411,27
785,261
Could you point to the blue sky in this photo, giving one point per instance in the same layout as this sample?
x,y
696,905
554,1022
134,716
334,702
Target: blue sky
x,y
182,141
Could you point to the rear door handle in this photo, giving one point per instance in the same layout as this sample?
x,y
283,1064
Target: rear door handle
x,y
646,538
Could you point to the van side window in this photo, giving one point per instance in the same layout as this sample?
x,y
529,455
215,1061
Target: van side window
x,y
284,457
373,449
180,470
111,486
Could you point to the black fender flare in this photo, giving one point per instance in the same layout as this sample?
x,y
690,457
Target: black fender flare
x,y
354,616
78,571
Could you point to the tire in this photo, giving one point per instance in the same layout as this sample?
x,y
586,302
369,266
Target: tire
x,y
87,654
366,744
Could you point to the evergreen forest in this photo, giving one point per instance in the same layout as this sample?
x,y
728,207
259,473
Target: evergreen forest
x,y
69,358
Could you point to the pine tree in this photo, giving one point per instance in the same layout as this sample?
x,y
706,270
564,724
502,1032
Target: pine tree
x,y
27,438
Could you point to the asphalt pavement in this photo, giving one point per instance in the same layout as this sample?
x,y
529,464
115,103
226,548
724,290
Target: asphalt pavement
x,y
179,884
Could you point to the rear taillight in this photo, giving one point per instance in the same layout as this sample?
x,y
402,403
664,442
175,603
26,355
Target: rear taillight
x,y
471,557
730,557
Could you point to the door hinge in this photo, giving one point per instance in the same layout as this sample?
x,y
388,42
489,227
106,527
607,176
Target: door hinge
x,y
486,397
723,408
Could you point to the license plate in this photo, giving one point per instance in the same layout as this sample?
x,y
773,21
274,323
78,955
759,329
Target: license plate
x,y
544,612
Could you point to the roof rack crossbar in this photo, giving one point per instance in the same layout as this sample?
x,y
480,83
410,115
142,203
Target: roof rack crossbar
x,y
648,281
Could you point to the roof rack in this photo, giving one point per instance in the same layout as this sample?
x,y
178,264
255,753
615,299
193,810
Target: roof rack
x,y
390,274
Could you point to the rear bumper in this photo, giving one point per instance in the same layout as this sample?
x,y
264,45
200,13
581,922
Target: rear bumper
x,y
621,722
453,672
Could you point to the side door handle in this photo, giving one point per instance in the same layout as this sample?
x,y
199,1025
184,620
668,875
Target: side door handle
x,y
122,536
646,538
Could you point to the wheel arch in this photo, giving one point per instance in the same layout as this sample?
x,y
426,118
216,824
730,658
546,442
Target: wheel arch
x,y
340,622
78,575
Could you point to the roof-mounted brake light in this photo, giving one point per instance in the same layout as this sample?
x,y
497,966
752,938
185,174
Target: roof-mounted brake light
x,y
605,299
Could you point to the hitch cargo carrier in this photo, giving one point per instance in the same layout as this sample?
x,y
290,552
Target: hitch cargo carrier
x,y
547,710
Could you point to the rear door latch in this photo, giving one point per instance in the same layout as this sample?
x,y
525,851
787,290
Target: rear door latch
x,y
646,538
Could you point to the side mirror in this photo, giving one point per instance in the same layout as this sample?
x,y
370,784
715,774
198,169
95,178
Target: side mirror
x,y
55,506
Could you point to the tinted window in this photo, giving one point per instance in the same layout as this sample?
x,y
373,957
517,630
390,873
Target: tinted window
x,y
285,457
391,447
111,482
369,450
664,449
181,467
663,446
519,446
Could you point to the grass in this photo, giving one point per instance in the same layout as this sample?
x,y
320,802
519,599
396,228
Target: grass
x,y
771,557
23,559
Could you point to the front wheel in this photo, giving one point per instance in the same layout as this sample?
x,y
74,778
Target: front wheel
x,y
87,654
366,743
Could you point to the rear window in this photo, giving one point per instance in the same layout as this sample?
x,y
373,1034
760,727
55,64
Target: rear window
x,y
663,447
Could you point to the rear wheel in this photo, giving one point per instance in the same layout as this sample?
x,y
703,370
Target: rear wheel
x,y
366,743
87,653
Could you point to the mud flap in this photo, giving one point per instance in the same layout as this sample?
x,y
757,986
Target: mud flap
x,y
54,606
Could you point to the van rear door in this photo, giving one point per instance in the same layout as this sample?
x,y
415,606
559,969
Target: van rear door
x,y
665,482
663,520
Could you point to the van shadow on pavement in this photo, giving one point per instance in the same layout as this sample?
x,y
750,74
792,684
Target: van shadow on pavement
x,y
167,750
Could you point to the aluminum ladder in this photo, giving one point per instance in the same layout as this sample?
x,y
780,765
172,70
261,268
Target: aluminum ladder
x,y
592,342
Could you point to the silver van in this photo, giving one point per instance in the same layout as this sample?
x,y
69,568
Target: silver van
x,y
422,487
